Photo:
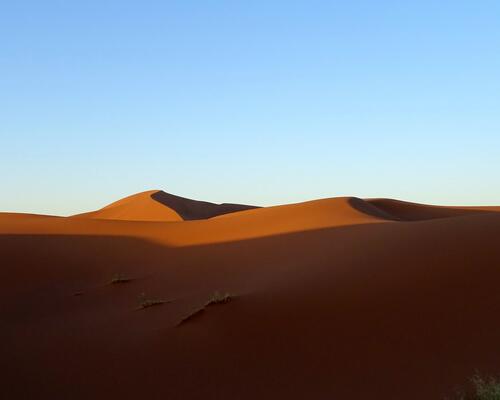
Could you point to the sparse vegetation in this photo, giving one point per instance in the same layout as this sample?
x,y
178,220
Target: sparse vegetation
x,y
145,302
482,389
194,314
486,388
119,278
218,298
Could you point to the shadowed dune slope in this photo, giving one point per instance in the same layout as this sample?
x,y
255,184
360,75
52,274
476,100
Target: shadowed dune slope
x,y
193,209
406,211
360,311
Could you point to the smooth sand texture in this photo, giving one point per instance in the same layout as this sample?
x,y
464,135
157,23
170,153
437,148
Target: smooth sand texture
x,y
337,298
138,207
156,205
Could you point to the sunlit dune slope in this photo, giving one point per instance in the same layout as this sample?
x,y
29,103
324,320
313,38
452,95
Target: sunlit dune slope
x,y
138,207
242,225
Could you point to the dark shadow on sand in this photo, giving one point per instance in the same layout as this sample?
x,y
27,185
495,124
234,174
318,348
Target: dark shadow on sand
x,y
193,209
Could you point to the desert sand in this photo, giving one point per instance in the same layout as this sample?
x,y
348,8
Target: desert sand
x,y
340,298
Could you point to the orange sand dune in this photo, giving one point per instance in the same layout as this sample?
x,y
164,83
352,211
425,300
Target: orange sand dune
x,y
156,205
337,298
247,224
138,207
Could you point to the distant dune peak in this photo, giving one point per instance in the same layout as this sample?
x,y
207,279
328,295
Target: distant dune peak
x,y
157,205
137,207
132,198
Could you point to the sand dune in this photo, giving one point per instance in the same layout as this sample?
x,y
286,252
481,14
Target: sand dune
x,y
336,298
405,211
246,224
138,207
156,205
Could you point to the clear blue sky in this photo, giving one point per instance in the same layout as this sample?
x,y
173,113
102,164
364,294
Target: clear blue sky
x,y
260,102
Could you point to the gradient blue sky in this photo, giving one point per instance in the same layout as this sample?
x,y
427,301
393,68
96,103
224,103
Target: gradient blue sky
x,y
260,102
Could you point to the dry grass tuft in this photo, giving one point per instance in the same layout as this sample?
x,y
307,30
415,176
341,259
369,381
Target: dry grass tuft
x,y
218,298
119,278
145,302
483,389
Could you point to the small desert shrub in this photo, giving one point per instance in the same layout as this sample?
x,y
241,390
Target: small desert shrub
x,y
486,388
145,302
192,315
218,298
483,389
119,278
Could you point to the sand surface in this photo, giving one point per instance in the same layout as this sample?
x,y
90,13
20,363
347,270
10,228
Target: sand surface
x,y
340,298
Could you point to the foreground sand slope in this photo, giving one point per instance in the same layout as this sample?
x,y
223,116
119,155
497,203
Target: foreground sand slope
x,y
336,298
